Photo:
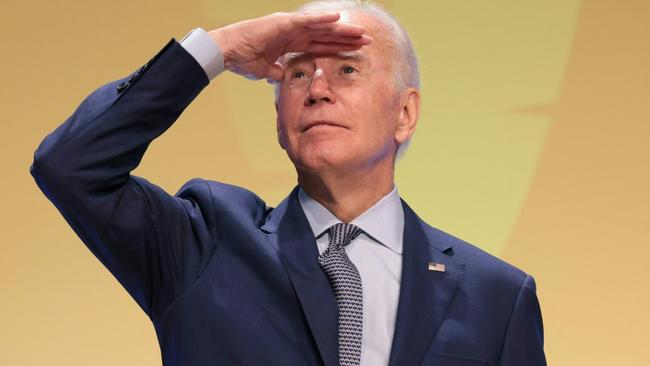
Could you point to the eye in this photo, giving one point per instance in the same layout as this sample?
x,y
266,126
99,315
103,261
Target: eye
x,y
299,75
348,69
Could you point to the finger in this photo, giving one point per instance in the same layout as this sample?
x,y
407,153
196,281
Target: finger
x,y
306,19
363,40
328,47
338,28
337,44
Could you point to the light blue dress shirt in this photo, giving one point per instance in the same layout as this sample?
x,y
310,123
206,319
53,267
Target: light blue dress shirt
x,y
377,252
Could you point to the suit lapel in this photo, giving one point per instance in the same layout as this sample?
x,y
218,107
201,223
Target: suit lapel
x,y
298,250
424,294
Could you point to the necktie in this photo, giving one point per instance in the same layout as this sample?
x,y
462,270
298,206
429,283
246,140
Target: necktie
x,y
346,283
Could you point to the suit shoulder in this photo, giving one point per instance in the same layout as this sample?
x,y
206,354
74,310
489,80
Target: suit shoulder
x,y
222,197
485,266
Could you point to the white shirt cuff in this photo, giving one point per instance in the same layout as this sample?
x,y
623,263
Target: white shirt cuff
x,y
205,51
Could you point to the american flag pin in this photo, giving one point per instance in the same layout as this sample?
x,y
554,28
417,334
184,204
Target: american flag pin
x,y
438,267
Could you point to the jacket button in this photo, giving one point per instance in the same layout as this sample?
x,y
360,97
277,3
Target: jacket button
x,y
122,86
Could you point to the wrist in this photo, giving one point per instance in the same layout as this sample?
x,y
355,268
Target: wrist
x,y
220,37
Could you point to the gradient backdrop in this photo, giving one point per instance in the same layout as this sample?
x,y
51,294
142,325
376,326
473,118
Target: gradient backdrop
x,y
533,144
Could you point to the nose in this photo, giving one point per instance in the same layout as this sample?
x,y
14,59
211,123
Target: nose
x,y
319,90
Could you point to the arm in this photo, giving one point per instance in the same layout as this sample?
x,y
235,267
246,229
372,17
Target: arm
x,y
83,167
524,339
155,244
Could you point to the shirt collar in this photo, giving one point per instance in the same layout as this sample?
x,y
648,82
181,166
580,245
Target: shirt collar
x,y
383,222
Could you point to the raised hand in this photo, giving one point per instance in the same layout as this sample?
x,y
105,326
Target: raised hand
x,y
252,47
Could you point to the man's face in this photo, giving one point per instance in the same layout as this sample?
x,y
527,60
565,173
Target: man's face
x,y
339,111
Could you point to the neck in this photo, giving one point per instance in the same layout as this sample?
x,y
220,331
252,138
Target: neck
x,y
347,194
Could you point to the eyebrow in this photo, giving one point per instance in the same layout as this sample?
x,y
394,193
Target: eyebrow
x,y
290,58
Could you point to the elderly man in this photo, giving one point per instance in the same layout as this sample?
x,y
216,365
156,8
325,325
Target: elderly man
x,y
342,271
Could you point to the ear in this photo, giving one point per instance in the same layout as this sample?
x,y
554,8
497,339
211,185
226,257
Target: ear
x,y
408,115
277,129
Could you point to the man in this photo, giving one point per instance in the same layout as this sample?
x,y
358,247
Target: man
x,y
342,271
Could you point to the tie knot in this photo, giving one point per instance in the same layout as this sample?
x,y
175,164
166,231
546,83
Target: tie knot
x,y
342,234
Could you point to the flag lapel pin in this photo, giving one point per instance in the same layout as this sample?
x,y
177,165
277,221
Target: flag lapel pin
x,y
438,267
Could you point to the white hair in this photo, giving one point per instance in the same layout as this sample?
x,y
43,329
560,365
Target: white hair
x,y
405,64
404,61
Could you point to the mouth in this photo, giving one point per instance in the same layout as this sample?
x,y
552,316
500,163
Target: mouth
x,y
312,124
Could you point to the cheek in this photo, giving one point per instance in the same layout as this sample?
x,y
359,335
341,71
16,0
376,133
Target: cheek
x,y
382,115
287,114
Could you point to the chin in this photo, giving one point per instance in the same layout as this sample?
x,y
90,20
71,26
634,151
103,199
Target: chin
x,y
321,158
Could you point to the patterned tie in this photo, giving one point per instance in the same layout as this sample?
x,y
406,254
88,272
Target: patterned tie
x,y
346,283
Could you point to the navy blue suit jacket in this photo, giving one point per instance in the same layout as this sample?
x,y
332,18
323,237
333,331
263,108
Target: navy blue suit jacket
x,y
227,280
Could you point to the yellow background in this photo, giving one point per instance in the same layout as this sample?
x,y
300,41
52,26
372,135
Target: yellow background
x,y
533,144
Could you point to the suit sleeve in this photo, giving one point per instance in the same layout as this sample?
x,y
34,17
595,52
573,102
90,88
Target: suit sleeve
x,y
154,243
524,338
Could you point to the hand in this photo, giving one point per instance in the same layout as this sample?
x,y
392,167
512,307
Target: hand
x,y
252,47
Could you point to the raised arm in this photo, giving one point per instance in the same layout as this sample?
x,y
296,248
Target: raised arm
x,y
139,232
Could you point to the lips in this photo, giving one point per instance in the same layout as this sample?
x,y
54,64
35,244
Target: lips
x,y
311,124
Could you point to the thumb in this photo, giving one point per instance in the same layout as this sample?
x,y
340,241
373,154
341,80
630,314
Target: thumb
x,y
275,72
